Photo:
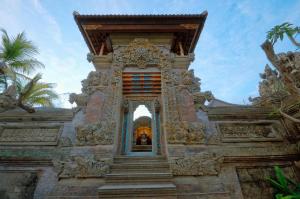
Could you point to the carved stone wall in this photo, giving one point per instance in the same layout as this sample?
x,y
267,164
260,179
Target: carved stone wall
x,y
202,164
30,134
81,167
99,103
254,184
249,131
97,133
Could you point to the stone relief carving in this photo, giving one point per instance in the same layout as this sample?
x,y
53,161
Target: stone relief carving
x,y
156,105
201,97
192,83
291,61
271,89
96,80
126,105
186,133
142,53
25,135
98,133
79,99
179,131
247,130
100,88
81,167
202,164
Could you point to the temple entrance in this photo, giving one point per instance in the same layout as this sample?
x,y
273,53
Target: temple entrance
x,y
140,129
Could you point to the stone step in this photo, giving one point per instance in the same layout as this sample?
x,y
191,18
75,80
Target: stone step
x,y
138,177
154,190
137,159
140,166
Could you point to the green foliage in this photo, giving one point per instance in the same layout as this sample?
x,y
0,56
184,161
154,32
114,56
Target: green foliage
x,y
17,62
278,32
35,93
285,188
18,53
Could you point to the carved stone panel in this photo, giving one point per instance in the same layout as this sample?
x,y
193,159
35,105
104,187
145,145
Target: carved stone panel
x,y
81,167
29,135
249,131
197,165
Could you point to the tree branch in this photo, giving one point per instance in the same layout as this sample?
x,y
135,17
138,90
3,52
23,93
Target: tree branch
x,y
292,39
288,116
270,53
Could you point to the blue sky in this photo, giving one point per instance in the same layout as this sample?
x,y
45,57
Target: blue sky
x,y
228,57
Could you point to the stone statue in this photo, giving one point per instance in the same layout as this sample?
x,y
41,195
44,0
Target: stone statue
x,y
201,97
191,81
96,80
271,89
144,139
79,99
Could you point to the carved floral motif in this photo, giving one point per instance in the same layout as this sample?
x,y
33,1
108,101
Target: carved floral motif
x,y
142,53
93,134
78,167
246,131
35,135
198,165
96,80
186,133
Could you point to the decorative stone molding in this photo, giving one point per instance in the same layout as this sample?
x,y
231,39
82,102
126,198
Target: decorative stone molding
x,y
30,134
249,132
142,53
81,167
203,164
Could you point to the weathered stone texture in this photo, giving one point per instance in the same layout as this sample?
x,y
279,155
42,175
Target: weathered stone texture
x,y
17,185
254,184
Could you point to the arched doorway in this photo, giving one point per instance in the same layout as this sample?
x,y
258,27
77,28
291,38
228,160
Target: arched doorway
x,y
140,129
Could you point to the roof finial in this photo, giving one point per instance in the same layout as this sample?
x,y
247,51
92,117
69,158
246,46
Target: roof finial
x,y
75,13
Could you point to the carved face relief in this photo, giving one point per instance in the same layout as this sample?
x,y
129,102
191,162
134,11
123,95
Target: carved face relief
x,y
141,53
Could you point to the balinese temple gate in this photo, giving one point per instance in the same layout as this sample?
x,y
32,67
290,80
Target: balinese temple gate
x,y
142,127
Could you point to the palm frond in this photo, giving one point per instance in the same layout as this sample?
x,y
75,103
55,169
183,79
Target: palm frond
x,y
18,53
38,93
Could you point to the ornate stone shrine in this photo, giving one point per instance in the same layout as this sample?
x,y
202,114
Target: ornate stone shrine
x,y
181,148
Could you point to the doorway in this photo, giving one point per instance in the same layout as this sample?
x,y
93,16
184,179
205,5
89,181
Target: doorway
x,y
141,129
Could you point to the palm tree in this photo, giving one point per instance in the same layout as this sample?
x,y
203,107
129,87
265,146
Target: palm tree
x,y
34,93
17,62
16,58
